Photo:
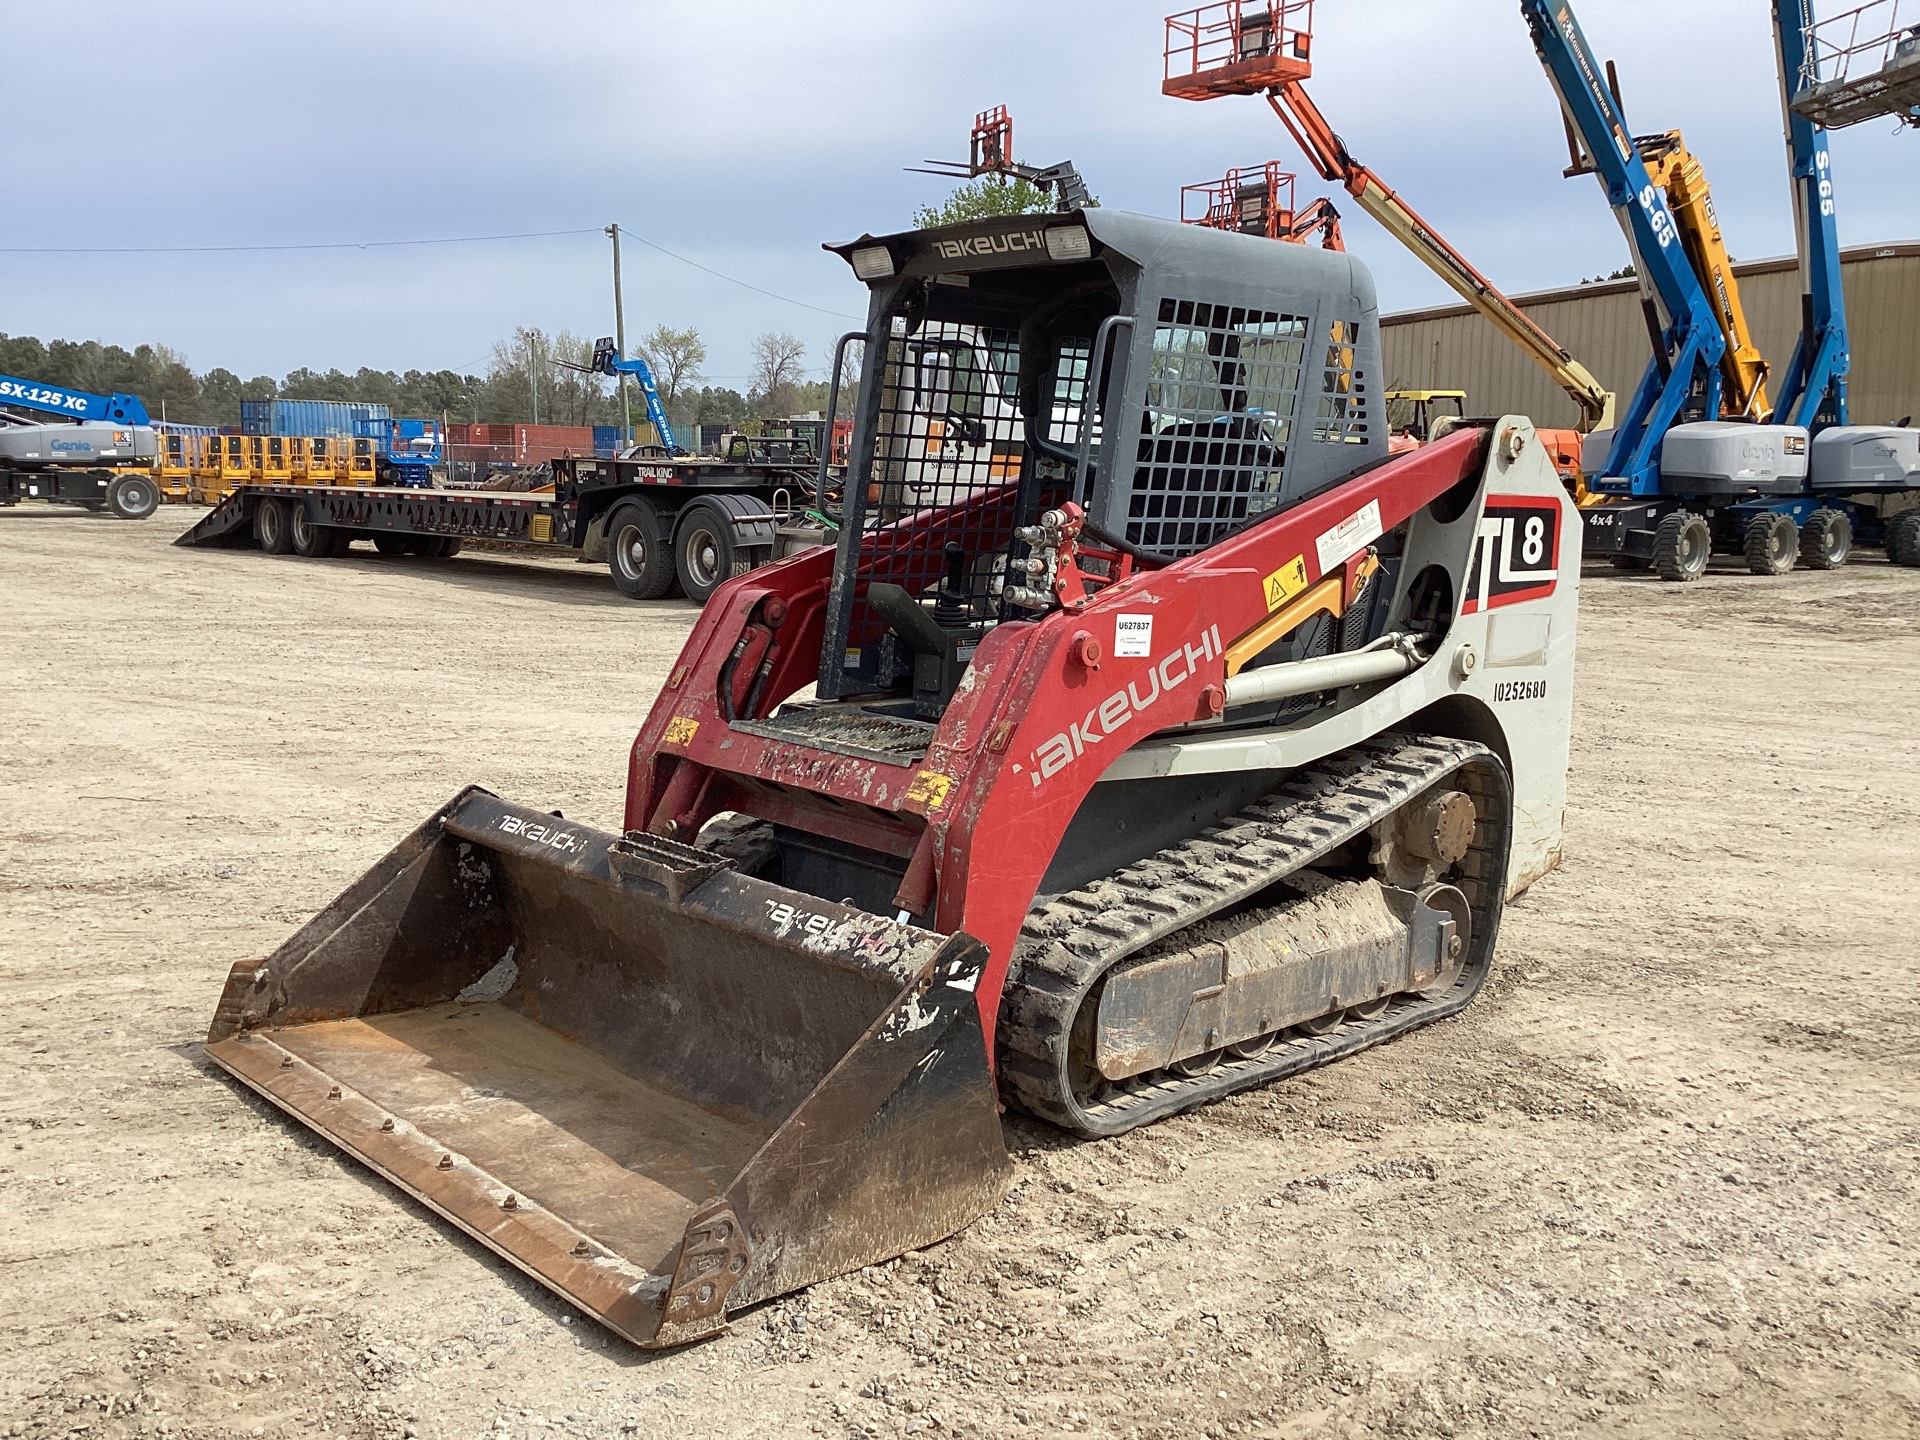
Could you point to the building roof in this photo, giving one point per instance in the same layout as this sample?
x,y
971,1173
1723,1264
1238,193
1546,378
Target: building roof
x,y
1630,286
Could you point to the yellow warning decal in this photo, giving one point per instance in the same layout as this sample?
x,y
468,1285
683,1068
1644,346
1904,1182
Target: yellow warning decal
x,y
1286,582
541,529
681,729
930,788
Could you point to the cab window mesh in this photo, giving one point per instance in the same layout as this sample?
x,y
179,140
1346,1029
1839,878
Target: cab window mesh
x,y
1223,391
948,448
1342,417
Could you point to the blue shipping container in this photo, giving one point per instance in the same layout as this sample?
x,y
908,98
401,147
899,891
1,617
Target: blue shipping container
x,y
321,417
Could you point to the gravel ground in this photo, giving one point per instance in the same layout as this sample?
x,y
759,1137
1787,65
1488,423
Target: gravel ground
x,y
1661,1178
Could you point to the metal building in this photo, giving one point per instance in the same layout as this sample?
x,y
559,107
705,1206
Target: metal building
x,y
1452,348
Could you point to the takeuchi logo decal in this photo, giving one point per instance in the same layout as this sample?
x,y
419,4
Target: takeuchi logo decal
x,y
1117,711
979,247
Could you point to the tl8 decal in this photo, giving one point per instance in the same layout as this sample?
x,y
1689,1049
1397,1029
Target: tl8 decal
x,y
1516,554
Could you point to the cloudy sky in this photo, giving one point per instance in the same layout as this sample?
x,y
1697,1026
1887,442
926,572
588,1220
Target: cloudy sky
x,y
740,134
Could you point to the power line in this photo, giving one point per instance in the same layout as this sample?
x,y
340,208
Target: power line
x,y
787,299
400,244
254,249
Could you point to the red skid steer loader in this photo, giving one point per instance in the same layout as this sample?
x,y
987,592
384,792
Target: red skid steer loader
x,y
1183,743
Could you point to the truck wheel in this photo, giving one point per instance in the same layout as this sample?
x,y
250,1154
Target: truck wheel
x,y
1903,539
1681,547
1826,540
273,527
703,551
133,497
637,553
312,540
1772,544
387,543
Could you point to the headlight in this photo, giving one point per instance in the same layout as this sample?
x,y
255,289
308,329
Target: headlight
x,y
873,263
1068,242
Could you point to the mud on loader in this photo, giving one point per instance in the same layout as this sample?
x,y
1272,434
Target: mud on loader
x,y
1186,743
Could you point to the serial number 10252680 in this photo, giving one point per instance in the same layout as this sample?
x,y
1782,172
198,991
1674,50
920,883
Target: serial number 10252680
x,y
1519,690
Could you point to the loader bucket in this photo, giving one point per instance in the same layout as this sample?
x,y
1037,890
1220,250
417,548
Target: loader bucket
x,y
662,1088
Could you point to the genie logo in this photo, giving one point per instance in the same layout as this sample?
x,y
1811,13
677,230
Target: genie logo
x,y
71,447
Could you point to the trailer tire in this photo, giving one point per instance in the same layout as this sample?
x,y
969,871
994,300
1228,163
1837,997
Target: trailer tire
x,y
1903,539
703,550
1772,544
311,540
1681,547
638,556
133,497
1826,540
273,527
388,543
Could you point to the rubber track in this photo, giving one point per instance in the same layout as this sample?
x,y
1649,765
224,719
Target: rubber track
x,y
1074,939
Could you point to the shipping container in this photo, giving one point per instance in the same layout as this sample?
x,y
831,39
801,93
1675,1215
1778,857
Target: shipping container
x,y
311,418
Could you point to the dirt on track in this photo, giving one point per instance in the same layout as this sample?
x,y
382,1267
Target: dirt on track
x,y
1659,1179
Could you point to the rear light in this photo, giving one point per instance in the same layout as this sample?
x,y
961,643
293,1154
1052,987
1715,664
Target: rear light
x,y
873,263
1067,242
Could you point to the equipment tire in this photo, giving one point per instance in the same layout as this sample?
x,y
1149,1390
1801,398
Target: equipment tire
x,y
273,527
388,543
1826,540
1682,546
637,554
133,497
1903,539
1772,544
703,546
312,541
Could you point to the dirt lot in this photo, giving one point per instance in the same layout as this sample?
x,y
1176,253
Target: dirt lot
x,y
1660,1179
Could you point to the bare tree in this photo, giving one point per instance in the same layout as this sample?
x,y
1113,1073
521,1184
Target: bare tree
x,y
675,357
777,366
850,364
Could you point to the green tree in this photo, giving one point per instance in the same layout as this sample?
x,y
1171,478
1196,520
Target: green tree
x,y
675,357
984,198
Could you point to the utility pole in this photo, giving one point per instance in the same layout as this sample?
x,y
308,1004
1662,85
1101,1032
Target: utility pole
x,y
533,377
620,339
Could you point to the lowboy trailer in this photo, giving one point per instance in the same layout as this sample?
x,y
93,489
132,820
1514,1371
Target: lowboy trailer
x,y
661,525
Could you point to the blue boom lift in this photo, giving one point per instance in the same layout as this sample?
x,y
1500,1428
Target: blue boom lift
x,y
607,360
1680,480
96,453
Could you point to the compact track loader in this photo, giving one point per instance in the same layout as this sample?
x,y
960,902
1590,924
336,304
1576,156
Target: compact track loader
x,y
1181,744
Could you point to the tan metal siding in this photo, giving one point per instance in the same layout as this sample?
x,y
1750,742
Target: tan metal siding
x,y
1602,325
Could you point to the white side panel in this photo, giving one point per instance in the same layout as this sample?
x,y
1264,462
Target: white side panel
x,y
1509,656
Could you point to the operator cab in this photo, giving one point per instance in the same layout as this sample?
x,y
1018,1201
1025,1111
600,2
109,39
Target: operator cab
x,y
1175,383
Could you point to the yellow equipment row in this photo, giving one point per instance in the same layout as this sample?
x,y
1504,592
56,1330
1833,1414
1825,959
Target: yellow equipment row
x,y
203,469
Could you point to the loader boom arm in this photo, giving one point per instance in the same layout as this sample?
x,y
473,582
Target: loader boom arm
x,y
1328,153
